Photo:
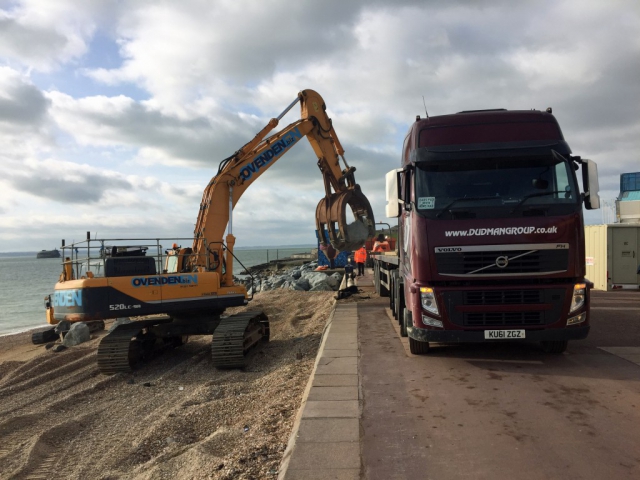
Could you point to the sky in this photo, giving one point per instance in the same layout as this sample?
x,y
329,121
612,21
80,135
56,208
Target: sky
x,y
114,115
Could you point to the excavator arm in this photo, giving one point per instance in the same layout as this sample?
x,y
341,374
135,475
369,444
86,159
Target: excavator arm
x,y
239,171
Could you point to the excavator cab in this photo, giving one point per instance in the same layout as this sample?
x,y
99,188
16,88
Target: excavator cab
x,y
176,259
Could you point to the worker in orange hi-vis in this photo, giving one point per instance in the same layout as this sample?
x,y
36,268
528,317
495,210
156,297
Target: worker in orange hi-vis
x,y
381,245
360,257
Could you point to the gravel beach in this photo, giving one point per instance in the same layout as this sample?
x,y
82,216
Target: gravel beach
x,y
176,417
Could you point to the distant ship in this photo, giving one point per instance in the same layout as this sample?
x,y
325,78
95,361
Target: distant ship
x,y
48,254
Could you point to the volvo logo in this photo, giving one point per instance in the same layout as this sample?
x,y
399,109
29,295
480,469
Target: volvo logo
x,y
502,262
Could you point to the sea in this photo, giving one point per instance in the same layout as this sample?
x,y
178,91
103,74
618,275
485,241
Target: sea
x,y
25,280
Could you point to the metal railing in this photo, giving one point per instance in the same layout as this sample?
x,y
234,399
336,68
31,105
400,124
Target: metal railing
x,y
90,255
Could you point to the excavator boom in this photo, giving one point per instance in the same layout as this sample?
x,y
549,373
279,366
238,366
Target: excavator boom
x,y
188,293
240,170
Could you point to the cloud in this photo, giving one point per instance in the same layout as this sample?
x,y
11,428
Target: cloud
x,y
43,35
22,105
213,73
163,138
65,182
20,41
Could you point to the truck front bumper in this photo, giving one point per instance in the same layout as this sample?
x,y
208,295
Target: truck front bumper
x,y
477,336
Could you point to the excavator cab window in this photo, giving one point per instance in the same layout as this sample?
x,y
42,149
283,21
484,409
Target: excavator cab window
x,y
171,264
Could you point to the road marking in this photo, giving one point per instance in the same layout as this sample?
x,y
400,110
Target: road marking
x,y
632,354
616,308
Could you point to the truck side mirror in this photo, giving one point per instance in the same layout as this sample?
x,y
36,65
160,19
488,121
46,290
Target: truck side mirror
x,y
393,193
590,184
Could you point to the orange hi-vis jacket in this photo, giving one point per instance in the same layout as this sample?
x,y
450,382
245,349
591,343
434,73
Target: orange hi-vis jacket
x,y
381,246
361,255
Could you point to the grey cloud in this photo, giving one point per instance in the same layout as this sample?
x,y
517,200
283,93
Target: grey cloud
x,y
259,43
23,104
611,101
372,165
458,54
90,188
197,140
28,42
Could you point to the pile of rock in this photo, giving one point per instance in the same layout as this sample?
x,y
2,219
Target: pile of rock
x,y
303,277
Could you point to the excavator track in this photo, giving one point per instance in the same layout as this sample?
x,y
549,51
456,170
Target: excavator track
x,y
235,336
124,346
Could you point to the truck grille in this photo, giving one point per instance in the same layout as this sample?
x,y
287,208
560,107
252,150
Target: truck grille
x,y
501,297
503,319
519,262
527,307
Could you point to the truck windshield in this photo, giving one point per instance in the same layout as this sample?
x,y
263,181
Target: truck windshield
x,y
491,187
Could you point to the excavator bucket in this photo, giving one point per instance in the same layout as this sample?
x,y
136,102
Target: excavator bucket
x,y
331,214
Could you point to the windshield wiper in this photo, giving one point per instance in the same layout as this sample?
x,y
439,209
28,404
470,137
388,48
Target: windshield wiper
x,y
462,199
531,195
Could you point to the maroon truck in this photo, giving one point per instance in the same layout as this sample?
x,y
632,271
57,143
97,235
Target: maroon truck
x,y
490,232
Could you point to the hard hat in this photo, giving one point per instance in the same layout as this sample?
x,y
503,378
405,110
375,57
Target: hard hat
x,y
175,245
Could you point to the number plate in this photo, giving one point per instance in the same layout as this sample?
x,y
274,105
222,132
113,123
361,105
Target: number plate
x,y
503,334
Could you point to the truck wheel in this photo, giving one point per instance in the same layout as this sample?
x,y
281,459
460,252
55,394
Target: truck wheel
x,y
418,348
406,318
556,346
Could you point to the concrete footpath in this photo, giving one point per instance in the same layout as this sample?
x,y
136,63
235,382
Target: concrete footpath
x,y
485,411
325,442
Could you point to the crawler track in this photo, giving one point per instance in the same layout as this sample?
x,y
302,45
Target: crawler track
x,y
235,336
129,343
121,349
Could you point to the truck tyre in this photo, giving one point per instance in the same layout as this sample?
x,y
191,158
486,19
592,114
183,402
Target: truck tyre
x,y
418,348
555,346
406,318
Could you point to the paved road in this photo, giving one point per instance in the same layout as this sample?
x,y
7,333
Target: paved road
x,y
500,411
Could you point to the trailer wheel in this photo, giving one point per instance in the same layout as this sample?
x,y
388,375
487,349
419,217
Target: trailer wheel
x,y
396,298
376,278
384,291
406,318
399,302
392,291
556,346
418,348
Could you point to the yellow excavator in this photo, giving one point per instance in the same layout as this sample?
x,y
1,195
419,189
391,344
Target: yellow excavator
x,y
186,291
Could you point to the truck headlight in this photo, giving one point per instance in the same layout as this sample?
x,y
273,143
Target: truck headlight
x,y
428,300
579,295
